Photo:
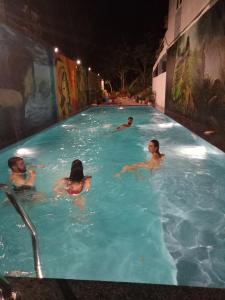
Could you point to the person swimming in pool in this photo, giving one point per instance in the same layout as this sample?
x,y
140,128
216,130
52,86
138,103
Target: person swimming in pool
x,y
127,125
76,183
153,163
21,178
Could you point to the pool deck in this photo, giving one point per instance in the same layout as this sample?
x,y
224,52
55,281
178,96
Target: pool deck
x,y
217,138
60,289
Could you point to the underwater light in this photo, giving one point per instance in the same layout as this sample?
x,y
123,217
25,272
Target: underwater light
x,y
24,151
168,125
198,152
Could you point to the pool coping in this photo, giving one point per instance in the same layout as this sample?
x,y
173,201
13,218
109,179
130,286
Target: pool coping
x,y
55,289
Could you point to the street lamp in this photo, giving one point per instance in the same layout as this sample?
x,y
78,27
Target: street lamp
x,y
56,49
78,62
89,69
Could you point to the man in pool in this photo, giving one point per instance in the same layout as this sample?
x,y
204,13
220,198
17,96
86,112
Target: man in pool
x,y
153,163
127,125
21,177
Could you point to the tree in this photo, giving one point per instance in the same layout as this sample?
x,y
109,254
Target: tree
x,y
143,55
122,63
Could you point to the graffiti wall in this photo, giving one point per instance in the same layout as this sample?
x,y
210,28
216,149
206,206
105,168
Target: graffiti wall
x,y
196,70
37,89
82,87
27,99
66,86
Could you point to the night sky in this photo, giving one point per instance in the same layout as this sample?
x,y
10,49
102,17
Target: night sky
x,y
87,28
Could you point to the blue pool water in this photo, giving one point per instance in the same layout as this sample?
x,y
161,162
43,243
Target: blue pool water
x,y
165,226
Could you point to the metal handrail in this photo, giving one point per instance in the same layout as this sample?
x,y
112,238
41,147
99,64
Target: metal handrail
x,y
29,225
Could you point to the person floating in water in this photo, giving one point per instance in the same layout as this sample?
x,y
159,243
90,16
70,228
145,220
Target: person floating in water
x,y
127,125
75,184
153,163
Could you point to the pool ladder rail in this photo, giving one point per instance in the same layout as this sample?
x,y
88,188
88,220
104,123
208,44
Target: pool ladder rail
x,y
19,209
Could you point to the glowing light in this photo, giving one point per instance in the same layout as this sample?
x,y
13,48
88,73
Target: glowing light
x,y
23,152
198,152
121,107
78,62
168,125
107,126
68,126
56,49
89,69
98,74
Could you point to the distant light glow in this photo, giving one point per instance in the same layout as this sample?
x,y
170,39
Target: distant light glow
x,y
198,152
56,49
24,151
107,125
78,62
121,107
68,126
89,69
98,74
168,125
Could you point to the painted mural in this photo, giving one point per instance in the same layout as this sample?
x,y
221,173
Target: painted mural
x,y
27,100
82,87
196,70
66,86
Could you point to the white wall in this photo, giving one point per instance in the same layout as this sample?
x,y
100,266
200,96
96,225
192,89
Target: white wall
x,y
159,87
189,10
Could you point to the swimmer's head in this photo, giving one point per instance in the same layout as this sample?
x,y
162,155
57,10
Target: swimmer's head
x,y
17,165
153,146
76,173
130,121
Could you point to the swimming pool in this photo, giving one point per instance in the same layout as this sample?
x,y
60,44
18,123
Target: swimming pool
x,y
165,226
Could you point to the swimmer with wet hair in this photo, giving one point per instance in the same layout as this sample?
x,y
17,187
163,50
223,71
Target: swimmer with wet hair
x,y
76,183
127,125
153,163
21,178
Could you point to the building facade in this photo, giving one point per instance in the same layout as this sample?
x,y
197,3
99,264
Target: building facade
x,y
182,15
188,75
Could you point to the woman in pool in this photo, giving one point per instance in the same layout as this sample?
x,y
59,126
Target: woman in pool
x,y
153,163
76,183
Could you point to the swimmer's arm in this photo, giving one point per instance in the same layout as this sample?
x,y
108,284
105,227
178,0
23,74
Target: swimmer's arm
x,y
28,181
17,181
133,167
31,178
88,184
59,187
36,167
121,127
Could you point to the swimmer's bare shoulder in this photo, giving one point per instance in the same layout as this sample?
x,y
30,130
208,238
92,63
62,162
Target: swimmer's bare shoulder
x,y
163,156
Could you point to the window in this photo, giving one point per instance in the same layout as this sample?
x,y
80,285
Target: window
x,y
179,2
155,72
161,67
